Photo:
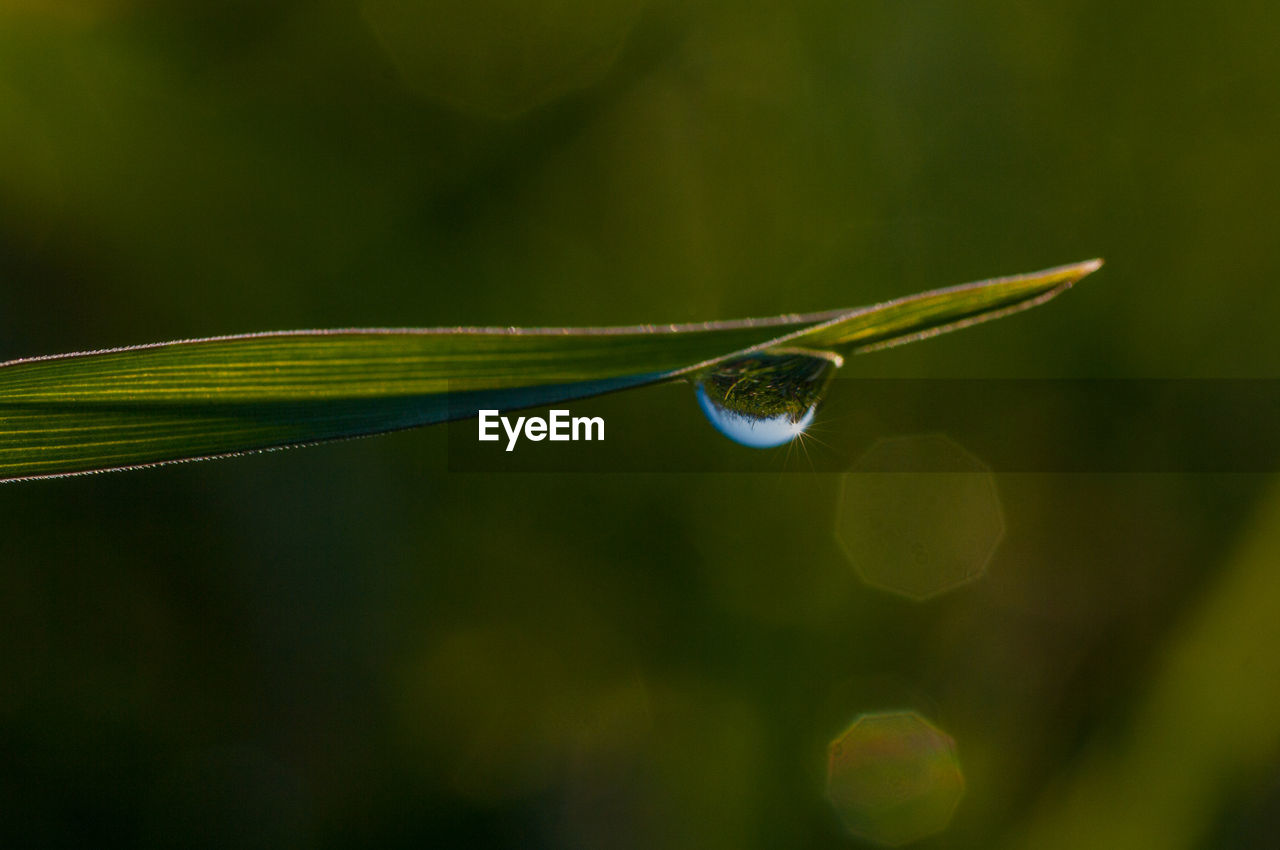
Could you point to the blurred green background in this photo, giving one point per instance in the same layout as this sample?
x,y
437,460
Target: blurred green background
x,y
348,646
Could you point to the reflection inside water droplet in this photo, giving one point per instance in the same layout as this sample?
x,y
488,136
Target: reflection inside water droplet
x,y
766,399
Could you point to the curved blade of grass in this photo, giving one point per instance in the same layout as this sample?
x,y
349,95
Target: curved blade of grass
x,y
927,314
196,399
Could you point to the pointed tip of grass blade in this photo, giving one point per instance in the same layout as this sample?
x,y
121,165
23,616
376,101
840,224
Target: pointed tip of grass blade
x,y
1055,280
940,311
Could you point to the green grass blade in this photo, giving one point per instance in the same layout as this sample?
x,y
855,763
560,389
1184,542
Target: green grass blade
x,y
928,314
193,399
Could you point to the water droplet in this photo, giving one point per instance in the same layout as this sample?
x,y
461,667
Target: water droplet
x,y
764,400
